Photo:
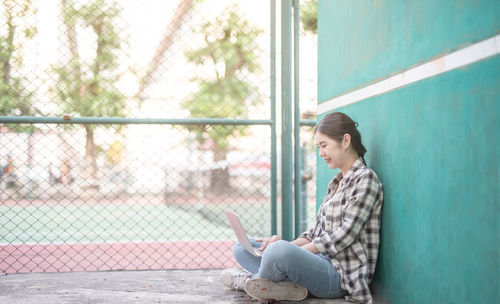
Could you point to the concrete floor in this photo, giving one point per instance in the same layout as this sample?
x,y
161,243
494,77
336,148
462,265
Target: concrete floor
x,y
160,286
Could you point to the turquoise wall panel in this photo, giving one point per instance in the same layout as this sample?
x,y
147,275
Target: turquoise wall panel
x,y
364,41
434,145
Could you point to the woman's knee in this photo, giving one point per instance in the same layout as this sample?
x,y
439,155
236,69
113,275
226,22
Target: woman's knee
x,y
279,249
238,249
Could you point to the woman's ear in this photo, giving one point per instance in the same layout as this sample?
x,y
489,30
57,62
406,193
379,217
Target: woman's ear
x,y
346,141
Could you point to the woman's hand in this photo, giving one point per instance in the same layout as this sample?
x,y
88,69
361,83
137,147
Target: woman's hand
x,y
267,241
301,241
311,247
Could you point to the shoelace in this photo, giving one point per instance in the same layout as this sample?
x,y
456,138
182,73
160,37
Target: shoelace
x,y
239,280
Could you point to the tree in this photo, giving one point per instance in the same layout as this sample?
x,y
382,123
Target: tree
x,y
309,16
229,50
88,87
15,98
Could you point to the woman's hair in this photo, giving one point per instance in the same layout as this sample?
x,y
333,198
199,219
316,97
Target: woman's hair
x,y
336,124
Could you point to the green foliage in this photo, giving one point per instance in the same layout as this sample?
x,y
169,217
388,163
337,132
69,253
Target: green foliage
x,y
309,16
15,98
230,50
87,94
88,88
220,98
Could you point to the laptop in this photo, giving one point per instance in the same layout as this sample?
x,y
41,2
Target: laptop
x,y
241,235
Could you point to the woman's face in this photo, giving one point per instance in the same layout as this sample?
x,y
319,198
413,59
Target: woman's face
x,y
330,150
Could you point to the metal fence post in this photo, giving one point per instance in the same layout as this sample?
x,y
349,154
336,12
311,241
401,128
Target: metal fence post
x,y
296,120
304,178
286,122
274,179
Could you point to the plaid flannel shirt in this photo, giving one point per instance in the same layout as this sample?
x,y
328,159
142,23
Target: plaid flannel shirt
x,y
347,228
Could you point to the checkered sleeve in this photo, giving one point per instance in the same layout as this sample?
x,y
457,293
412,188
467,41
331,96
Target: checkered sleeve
x,y
309,234
359,205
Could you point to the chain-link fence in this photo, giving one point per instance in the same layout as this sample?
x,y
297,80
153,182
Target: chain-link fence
x,y
146,193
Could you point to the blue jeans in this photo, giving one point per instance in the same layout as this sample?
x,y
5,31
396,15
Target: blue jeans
x,y
283,260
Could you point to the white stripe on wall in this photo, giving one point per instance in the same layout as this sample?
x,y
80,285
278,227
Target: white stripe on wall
x,y
457,59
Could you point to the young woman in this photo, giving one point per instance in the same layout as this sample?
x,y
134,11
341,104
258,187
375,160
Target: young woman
x,y
337,256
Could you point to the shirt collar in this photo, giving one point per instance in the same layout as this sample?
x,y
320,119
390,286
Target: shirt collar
x,y
358,163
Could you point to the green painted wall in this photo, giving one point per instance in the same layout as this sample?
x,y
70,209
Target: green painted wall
x,y
434,145
363,41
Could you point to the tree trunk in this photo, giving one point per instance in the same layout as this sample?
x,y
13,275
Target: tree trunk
x,y
90,155
219,181
70,31
30,149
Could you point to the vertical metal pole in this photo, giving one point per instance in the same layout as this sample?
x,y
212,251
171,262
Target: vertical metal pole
x,y
296,120
274,174
304,178
286,122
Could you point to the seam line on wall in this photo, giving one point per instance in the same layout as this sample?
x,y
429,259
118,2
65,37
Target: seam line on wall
x,y
470,54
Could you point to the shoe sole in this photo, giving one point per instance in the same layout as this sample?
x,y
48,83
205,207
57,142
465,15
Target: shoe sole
x,y
264,289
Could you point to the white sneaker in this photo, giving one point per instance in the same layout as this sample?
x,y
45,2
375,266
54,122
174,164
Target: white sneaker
x,y
264,289
235,278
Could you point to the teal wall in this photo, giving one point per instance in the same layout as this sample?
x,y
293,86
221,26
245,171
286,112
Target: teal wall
x,y
434,143
364,41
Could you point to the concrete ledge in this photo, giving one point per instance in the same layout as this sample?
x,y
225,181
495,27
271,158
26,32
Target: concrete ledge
x,y
160,286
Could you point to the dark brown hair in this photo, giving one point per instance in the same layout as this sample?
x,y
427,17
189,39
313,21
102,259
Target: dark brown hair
x,y
336,124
